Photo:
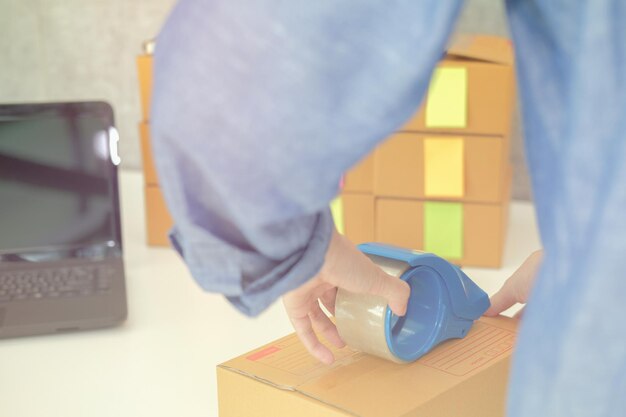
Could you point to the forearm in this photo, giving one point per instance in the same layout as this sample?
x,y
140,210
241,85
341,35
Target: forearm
x,y
258,110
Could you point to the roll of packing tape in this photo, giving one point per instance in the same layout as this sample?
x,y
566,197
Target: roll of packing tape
x,y
443,305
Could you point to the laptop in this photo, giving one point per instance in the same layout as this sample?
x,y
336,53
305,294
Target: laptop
x,y
61,266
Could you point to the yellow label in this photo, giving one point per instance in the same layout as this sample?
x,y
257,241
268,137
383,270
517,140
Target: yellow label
x,y
447,98
336,208
444,167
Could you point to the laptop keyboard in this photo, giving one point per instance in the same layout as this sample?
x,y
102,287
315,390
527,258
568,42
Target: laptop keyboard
x,y
55,283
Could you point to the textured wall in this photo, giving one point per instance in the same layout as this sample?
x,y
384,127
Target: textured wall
x,y
79,50
85,49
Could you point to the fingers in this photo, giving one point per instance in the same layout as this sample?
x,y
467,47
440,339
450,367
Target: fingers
x,y
370,279
347,267
325,327
305,332
391,288
501,301
304,312
328,300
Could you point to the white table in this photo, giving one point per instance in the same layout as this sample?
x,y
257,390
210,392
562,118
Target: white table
x,y
161,362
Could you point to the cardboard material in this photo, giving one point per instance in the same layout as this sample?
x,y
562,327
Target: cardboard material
x,y
482,47
401,166
444,167
158,219
490,88
402,222
149,171
144,75
361,177
446,103
465,377
359,223
399,222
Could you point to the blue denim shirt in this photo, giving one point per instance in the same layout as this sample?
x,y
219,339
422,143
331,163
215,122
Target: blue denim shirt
x,y
259,107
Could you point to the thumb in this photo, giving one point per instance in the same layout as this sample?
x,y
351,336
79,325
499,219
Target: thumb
x,y
352,270
393,289
373,280
501,301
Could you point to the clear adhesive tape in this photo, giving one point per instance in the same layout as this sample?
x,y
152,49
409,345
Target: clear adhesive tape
x,y
443,304
361,319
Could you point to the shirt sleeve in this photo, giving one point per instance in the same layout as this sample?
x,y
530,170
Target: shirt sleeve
x,y
570,357
258,109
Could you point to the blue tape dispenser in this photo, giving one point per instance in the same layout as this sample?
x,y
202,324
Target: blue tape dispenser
x,y
443,305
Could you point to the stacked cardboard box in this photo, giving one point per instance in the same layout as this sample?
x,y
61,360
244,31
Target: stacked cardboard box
x,y
158,220
442,182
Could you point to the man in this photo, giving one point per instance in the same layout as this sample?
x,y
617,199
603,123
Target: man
x,y
259,107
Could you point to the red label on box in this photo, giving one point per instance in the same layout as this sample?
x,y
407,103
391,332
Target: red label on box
x,y
263,353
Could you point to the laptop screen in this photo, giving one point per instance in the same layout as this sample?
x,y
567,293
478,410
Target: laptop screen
x,y
58,181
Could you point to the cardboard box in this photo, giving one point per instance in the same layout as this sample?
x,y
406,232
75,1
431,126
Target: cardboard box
x,y
401,222
400,168
484,227
359,222
144,75
158,219
149,170
465,377
360,179
488,61
454,149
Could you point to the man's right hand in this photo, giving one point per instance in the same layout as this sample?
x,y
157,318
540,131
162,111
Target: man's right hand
x,y
344,267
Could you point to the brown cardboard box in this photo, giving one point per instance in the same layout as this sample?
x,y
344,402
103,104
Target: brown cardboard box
x,y
359,223
158,219
401,222
465,377
399,167
144,74
490,86
361,177
485,232
149,171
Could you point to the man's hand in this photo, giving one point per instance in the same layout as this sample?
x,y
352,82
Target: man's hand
x,y
344,267
517,288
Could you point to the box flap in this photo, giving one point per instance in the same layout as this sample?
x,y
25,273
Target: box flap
x,y
357,382
486,48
